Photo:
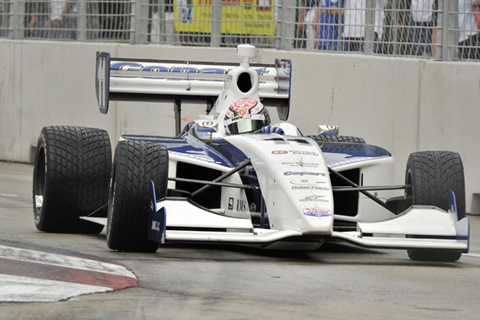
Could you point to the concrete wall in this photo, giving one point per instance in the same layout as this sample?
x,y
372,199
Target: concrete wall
x,y
403,105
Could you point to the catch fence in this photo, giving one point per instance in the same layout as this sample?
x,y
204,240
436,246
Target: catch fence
x,y
437,29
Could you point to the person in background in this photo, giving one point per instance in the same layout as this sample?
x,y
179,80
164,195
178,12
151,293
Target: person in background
x,y
169,22
307,23
38,22
354,23
63,20
468,34
423,20
327,29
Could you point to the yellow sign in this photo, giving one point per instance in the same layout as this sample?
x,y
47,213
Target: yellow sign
x,y
247,17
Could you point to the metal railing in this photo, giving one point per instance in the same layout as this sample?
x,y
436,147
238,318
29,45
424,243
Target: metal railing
x,y
441,29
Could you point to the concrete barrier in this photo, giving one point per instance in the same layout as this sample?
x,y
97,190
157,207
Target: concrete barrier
x,y
403,105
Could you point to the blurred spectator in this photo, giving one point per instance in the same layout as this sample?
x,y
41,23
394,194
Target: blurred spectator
x,y
308,19
468,36
114,19
330,16
38,19
3,18
63,20
423,19
169,30
476,10
354,23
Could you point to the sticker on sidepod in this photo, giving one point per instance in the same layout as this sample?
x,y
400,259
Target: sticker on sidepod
x,y
317,212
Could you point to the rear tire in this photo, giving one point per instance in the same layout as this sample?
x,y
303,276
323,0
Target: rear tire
x,y
71,178
432,175
136,163
331,138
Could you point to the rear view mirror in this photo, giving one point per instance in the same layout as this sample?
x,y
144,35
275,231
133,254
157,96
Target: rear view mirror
x,y
207,126
329,129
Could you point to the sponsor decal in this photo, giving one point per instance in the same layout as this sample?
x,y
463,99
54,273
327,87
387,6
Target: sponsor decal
x,y
156,225
165,67
301,181
304,153
305,181
301,164
241,205
313,198
230,203
297,152
310,187
208,123
317,212
303,173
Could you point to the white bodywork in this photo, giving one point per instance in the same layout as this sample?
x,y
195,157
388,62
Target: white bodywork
x,y
293,177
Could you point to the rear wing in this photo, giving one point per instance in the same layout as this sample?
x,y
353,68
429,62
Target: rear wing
x,y
120,79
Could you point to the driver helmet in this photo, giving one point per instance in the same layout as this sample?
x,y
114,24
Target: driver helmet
x,y
246,115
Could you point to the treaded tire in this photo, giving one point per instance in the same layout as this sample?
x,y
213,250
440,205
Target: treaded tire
x,y
332,138
136,163
71,178
432,175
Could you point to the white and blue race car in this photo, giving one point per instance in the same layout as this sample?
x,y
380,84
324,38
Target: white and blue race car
x,y
231,176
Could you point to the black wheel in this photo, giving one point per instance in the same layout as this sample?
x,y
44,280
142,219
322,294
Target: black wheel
x,y
331,138
432,174
136,163
71,178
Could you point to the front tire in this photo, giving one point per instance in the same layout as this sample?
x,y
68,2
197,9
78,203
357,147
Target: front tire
x,y
71,178
136,163
432,174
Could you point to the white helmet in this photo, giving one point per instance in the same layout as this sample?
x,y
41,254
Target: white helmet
x,y
246,115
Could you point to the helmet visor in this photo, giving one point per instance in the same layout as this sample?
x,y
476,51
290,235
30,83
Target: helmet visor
x,y
243,126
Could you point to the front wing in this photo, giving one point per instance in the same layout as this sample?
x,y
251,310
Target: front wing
x,y
419,227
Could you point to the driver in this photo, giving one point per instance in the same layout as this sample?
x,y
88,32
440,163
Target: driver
x,y
246,115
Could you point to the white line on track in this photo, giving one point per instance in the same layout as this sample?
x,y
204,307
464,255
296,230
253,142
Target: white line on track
x,y
8,195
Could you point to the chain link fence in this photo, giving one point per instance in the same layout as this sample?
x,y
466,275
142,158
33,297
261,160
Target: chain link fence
x,y
440,29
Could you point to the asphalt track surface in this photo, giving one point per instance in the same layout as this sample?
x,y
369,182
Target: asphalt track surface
x,y
78,277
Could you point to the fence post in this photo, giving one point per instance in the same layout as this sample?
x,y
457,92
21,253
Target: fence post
x,y
394,26
368,46
286,24
441,42
453,31
216,23
16,27
139,22
447,31
81,20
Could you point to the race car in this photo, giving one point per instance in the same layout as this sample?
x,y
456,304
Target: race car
x,y
232,176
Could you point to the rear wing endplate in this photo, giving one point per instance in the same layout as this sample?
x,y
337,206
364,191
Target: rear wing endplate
x,y
119,79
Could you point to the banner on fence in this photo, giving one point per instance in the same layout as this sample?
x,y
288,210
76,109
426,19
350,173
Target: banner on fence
x,y
244,17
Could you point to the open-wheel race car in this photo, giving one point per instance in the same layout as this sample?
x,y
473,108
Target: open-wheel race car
x,y
231,176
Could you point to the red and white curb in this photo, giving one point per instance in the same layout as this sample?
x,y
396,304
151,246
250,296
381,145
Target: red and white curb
x,y
35,276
